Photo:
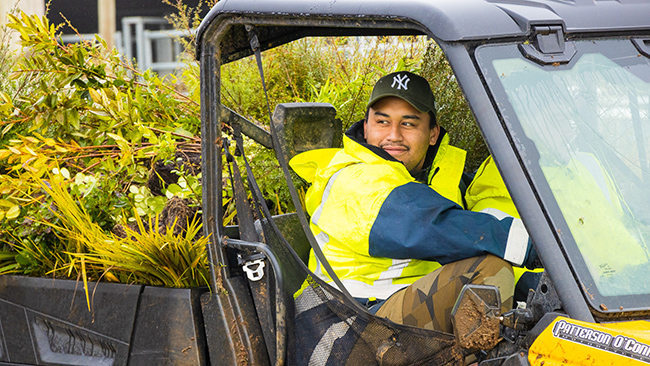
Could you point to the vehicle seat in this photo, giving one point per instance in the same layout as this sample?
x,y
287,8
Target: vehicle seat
x,y
301,127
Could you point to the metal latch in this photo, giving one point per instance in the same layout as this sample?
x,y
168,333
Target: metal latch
x,y
253,266
254,269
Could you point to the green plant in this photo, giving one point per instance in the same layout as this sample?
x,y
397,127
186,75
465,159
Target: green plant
x,y
149,257
80,108
340,71
87,251
188,186
188,19
95,124
79,132
144,256
26,257
453,112
144,202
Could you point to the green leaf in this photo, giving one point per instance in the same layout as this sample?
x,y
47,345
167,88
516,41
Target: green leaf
x,y
174,188
7,255
78,83
93,83
182,131
72,118
157,203
66,60
24,259
8,268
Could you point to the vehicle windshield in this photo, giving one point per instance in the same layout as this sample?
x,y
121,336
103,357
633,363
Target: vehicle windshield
x,y
583,129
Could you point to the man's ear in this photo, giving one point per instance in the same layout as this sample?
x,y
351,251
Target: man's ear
x,y
433,135
365,128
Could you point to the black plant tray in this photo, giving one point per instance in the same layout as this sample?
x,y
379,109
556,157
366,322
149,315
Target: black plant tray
x,y
46,321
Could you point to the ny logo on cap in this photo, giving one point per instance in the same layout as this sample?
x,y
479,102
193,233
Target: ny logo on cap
x,y
401,81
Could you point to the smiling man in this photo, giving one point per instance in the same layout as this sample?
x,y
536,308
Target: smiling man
x,y
400,130
388,212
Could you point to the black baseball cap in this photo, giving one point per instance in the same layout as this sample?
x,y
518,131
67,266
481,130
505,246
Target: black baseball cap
x,y
406,85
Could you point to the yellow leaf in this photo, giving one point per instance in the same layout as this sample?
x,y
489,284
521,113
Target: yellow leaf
x,y
30,151
94,94
111,277
14,150
7,128
30,168
40,161
13,212
5,98
98,112
85,278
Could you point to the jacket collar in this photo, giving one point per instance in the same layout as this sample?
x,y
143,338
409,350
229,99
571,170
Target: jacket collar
x,y
355,133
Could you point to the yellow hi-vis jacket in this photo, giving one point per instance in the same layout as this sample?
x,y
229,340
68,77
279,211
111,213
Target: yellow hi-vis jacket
x,y
488,193
381,230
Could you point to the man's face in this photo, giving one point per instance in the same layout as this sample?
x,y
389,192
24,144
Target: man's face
x,y
401,130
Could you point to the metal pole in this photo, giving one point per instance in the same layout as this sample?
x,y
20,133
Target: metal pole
x,y
106,16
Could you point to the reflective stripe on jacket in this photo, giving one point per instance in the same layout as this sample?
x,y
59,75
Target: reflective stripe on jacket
x,y
381,230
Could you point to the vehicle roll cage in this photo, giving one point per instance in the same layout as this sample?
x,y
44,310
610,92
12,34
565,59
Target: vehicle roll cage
x,y
458,28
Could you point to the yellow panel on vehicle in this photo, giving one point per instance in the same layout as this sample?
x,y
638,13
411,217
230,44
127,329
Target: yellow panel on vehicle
x,y
572,342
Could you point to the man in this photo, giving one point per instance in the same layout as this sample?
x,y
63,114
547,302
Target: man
x,y
387,211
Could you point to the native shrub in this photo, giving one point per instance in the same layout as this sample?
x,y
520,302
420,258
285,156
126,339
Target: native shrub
x,y
81,129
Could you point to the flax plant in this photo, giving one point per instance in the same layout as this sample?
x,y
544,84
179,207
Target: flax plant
x,y
143,257
149,257
29,258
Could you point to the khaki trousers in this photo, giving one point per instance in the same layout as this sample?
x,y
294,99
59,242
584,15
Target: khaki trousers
x,y
428,302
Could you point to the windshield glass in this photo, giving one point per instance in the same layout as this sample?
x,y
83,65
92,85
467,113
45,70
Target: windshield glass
x,y
589,122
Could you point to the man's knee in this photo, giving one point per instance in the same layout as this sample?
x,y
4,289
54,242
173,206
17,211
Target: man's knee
x,y
497,272
492,265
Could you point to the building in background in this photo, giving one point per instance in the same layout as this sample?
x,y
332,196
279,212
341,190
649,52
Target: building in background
x,y
138,28
28,6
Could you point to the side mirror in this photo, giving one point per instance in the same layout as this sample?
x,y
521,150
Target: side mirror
x,y
476,317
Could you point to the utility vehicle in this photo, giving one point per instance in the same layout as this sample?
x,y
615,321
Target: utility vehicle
x,y
560,90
